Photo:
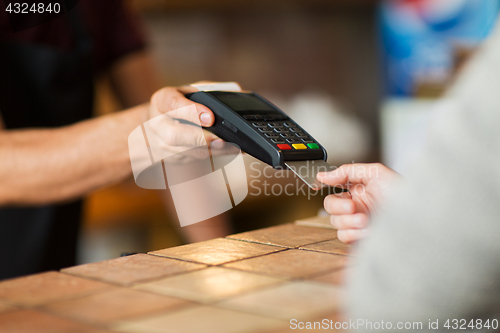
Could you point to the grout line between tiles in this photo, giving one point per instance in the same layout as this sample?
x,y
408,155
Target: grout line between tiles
x,y
51,314
212,305
257,256
129,285
179,259
247,312
108,326
42,310
225,298
223,263
299,278
285,278
255,242
333,253
151,316
62,299
251,313
93,279
276,245
321,251
29,275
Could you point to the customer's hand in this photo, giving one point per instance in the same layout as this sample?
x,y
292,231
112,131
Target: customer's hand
x,y
350,211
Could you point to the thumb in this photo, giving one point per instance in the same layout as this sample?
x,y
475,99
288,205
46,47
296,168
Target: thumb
x,y
172,101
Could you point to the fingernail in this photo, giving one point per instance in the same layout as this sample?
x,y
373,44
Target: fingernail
x,y
205,118
347,207
358,221
218,144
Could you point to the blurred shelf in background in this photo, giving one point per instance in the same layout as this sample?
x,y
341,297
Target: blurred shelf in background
x,y
168,5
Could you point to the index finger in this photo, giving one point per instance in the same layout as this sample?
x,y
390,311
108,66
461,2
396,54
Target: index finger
x,y
357,173
171,99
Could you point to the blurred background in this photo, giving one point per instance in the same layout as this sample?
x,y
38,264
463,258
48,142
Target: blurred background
x,y
360,75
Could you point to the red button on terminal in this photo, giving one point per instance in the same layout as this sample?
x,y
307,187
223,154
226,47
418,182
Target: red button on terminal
x,y
284,147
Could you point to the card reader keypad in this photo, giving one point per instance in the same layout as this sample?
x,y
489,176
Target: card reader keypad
x,y
284,134
265,116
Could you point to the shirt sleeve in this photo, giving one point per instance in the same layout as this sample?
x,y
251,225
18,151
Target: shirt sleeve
x,y
434,253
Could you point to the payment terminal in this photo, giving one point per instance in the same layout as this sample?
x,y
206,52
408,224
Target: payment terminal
x,y
262,130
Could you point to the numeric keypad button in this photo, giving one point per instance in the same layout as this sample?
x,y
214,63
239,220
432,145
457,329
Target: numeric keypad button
x,y
293,141
281,130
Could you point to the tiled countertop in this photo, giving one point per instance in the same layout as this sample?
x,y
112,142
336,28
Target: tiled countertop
x,y
255,281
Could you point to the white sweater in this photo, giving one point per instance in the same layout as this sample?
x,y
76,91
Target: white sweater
x,y
434,252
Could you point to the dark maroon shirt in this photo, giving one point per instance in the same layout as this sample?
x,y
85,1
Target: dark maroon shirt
x,y
53,92
114,30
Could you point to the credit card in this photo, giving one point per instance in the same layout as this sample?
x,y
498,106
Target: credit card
x,y
307,171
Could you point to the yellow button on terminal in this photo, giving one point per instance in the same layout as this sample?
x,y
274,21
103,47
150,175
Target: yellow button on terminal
x,y
299,146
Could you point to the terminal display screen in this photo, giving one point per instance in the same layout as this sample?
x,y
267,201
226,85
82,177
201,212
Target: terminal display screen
x,y
243,102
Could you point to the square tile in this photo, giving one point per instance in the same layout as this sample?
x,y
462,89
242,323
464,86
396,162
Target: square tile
x,y
27,321
111,306
293,300
48,287
336,277
316,221
209,285
216,251
332,246
202,319
132,269
291,263
287,235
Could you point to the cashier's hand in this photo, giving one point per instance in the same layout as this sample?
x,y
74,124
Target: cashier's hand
x,y
171,102
178,140
351,211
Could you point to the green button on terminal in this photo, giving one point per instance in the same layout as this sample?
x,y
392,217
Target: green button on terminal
x,y
313,146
